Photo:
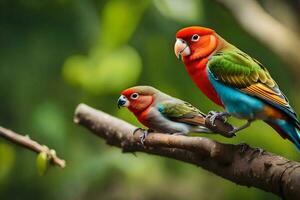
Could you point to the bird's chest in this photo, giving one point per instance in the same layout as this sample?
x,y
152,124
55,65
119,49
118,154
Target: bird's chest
x,y
198,73
144,116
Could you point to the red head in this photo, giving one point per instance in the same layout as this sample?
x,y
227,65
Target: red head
x,y
137,99
195,42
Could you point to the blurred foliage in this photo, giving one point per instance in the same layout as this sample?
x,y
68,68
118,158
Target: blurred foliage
x,y
7,161
111,63
56,54
189,11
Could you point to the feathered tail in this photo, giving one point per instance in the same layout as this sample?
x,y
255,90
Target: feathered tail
x,y
287,129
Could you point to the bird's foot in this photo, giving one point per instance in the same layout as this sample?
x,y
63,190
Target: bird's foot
x,y
138,129
213,115
259,151
144,135
244,147
237,129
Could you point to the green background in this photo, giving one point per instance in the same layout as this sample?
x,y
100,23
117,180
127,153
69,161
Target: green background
x,y
55,54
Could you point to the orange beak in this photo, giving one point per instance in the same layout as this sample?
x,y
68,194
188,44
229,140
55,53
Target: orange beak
x,y
181,48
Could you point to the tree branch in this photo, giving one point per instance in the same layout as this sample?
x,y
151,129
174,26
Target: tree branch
x,y
281,40
239,163
32,145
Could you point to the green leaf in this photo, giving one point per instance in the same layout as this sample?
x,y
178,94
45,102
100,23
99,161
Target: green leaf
x,y
42,163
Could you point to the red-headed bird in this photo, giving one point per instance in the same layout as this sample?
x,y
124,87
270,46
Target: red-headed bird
x,y
235,81
161,112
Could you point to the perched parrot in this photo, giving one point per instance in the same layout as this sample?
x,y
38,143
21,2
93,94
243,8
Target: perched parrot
x,y
235,81
161,112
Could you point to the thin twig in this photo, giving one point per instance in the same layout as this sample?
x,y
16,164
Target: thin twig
x,y
32,145
239,163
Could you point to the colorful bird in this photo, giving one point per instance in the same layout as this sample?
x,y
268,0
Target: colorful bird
x,y
235,81
161,112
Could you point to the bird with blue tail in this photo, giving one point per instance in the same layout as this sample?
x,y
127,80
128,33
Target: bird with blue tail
x,y
234,80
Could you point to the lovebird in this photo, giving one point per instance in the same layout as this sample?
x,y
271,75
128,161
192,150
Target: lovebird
x,y
161,112
234,80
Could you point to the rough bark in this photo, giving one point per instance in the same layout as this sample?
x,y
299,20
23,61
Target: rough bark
x,y
240,164
32,145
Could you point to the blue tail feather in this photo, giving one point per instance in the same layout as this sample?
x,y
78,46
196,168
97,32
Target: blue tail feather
x,y
292,131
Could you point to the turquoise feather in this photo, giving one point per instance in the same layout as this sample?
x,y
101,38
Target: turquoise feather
x,y
244,106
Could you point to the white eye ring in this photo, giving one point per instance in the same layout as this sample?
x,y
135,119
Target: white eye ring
x,y
134,96
195,38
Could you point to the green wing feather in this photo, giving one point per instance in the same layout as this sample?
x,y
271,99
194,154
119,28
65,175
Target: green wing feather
x,y
182,112
234,68
237,69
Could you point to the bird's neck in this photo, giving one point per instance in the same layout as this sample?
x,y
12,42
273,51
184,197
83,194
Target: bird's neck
x,y
143,117
138,111
197,70
142,114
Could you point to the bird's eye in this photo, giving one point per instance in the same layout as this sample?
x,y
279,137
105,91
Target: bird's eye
x,y
195,37
134,96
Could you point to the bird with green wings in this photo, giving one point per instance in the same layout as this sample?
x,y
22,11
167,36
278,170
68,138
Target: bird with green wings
x,y
234,80
161,112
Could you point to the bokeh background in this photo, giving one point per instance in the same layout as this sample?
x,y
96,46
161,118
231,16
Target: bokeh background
x,y
55,54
